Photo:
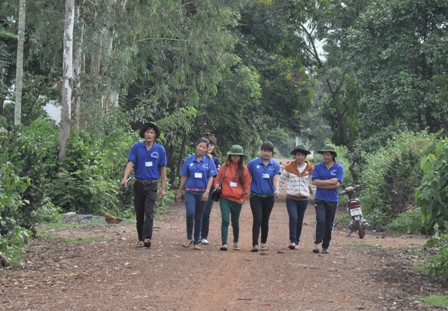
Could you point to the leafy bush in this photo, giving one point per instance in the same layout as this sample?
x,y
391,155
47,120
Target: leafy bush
x,y
409,222
437,264
11,189
432,195
29,153
88,180
12,245
391,176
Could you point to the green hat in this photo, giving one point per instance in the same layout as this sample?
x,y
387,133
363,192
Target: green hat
x,y
328,148
302,148
236,150
147,126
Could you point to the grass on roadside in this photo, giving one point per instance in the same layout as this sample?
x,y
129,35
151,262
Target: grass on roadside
x,y
434,300
362,244
84,240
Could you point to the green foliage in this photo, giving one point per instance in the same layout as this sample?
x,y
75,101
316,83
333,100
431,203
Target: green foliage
x,y
432,195
12,245
409,222
283,142
399,69
30,155
438,264
12,188
391,175
434,300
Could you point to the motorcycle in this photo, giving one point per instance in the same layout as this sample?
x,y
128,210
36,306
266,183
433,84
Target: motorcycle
x,y
358,223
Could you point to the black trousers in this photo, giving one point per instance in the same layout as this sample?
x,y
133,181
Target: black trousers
x,y
261,211
144,204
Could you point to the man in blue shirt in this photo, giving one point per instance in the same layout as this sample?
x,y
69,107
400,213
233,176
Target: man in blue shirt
x,y
148,160
327,176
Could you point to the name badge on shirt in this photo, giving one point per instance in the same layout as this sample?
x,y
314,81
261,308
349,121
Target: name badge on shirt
x,y
266,175
198,175
233,184
148,164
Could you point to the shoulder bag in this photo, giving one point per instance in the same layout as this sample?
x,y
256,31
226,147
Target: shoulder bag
x,y
217,193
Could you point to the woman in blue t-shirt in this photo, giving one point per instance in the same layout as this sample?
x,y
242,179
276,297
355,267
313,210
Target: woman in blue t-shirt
x,y
197,173
265,173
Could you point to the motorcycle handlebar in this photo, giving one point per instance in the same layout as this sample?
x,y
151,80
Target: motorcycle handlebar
x,y
351,189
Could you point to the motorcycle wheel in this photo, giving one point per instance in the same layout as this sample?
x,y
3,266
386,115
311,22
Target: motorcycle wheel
x,y
360,228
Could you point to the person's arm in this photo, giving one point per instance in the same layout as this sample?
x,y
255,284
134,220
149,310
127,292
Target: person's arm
x,y
207,190
182,182
275,184
127,171
218,177
162,180
284,176
246,185
327,184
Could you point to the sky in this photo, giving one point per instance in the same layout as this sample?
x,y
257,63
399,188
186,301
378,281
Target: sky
x,y
54,112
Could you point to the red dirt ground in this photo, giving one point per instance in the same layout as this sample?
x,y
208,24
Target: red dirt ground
x,y
112,274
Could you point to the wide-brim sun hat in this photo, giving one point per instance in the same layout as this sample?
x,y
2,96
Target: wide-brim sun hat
x,y
236,150
148,125
301,148
328,148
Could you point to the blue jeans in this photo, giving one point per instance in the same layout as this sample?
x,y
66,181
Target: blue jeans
x,y
325,213
195,209
206,216
296,211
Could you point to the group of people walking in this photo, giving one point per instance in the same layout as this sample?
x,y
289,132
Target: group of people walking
x,y
260,181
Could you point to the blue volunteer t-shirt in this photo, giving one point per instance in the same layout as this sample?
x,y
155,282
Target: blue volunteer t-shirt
x,y
147,163
198,173
263,176
321,172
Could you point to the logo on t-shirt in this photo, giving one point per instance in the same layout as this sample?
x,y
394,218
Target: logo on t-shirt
x,y
205,165
334,172
155,154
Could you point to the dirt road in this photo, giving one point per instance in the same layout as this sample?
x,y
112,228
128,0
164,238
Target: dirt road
x,y
111,274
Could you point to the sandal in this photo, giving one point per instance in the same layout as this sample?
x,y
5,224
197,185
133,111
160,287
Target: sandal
x,y
187,244
197,247
147,242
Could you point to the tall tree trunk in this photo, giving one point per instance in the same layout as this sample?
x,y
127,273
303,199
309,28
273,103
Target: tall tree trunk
x,y
19,70
78,66
67,78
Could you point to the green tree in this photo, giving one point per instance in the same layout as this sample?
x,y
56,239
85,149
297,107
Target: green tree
x,y
397,47
268,42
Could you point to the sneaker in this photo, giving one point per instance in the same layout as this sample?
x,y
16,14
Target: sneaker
x,y
263,247
316,248
236,247
324,251
139,244
224,247
254,249
204,242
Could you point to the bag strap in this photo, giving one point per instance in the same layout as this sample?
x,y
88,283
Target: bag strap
x,y
222,177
